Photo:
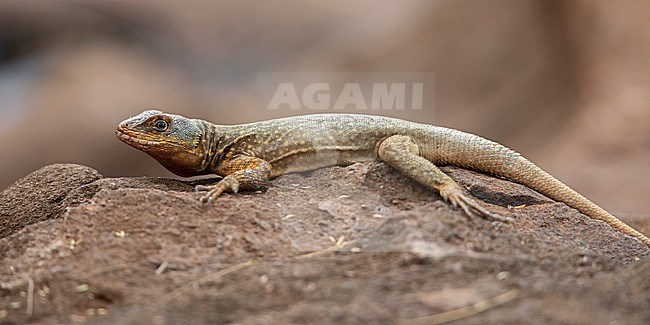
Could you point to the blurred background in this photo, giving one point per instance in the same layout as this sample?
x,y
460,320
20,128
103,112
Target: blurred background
x,y
566,83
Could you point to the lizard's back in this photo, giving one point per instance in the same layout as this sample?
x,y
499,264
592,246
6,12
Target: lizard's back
x,y
309,142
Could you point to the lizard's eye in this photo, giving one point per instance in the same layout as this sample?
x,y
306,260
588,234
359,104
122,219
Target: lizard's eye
x,y
160,125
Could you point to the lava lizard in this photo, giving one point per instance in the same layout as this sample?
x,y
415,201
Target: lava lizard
x,y
247,155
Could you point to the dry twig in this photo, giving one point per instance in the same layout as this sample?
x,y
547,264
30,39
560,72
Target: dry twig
x,y
463,312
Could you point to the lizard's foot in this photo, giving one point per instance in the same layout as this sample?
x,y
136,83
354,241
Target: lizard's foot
x,y
453,194
226,184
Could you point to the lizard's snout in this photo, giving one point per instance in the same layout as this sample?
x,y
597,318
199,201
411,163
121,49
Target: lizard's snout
x,y
120,132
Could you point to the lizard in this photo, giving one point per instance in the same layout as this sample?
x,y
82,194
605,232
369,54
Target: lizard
x,y
246,156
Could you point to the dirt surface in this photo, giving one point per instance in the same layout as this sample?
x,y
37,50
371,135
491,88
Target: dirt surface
x,y
356,244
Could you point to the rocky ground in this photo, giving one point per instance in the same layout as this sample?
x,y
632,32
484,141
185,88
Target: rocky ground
x,y
356,244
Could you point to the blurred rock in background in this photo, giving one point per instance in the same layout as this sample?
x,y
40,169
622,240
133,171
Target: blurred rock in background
x,y
565,83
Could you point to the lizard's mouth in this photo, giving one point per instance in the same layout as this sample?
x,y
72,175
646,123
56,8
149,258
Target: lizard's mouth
x,y
123,135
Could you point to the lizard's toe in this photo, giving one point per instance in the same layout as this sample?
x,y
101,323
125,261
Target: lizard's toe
x,y
474,208
498,217
454,195
205,198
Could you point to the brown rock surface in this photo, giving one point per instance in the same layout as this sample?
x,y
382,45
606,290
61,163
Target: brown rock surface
x,y
44,195
144,250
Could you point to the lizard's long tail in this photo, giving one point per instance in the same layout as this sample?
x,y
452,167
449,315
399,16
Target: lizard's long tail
x,y
471,151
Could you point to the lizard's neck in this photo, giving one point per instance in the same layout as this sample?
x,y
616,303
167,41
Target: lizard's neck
x,y
210,143
216,142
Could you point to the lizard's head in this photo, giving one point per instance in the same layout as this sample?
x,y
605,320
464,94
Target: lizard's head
x,y
175,141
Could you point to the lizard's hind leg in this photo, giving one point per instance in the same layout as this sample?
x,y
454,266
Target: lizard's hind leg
x,y
402,153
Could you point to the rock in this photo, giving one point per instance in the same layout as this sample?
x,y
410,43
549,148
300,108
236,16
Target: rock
x,y
44,194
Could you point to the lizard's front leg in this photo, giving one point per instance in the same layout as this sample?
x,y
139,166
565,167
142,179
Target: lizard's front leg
x,y
403,153
242,172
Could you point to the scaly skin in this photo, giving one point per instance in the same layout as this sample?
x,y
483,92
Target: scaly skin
x,y
247,155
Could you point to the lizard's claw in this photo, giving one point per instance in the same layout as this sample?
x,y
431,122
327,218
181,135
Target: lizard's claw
x,y
454,195
201,188
224,185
